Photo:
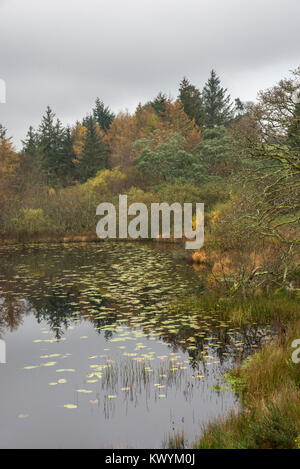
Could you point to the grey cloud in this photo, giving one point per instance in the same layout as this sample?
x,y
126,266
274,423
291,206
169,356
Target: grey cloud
x,y
65,53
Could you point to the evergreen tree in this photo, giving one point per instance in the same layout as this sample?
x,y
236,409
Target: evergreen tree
x,y
217,104
51,136
30,144
31,168
102,115
239,107
94,152
3,134
168,160
66,170
190,98
159,103
216,151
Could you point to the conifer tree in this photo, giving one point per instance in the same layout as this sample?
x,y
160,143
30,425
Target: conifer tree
x,y
159,103
51,134
66,170
239,107
94,152
190,98
102,115
2,132
217,103
30,144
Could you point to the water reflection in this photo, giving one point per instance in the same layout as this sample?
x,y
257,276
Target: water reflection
x,y
90,328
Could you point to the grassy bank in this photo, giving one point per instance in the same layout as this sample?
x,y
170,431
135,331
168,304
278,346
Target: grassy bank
x,y
281,307
268,384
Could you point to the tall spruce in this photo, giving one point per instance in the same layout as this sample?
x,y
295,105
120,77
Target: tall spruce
x,y
66,171
191,100
94,152
30,144
103,115
159,103
51,135
217,103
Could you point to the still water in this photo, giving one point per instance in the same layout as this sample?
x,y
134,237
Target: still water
x,y
97,358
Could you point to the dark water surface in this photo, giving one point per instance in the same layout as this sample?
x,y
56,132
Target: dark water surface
x,y
95,357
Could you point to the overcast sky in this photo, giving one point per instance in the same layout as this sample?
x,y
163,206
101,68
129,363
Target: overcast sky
x,y
65,53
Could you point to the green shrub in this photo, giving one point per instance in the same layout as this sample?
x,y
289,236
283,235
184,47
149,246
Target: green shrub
x,y
31,220
274,430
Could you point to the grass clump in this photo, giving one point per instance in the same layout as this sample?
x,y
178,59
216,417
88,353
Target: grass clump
x,y
270,395
241,310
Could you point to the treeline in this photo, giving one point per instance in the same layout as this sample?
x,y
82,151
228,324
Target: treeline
x,y
66,155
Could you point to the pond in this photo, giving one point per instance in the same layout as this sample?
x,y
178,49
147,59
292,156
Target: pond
x,y
96,358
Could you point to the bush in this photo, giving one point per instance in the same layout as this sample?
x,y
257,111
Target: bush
x,y
274,430
31,221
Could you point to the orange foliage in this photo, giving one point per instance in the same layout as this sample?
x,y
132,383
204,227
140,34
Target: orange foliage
x,y
176,120
120,136
125,129
9,165
78,134
9,160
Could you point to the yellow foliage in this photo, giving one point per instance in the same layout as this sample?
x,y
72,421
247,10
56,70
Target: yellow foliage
x,y
219,211
51,192
9,160
9,166
125,129
106,181
176,120
78,134
31,220
120,137
146,121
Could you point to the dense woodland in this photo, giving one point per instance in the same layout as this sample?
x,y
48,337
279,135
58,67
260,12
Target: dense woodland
x,y
240,159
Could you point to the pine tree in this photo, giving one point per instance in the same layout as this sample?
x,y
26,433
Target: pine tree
x,y
30,144
239,107
66,170
217,103
51,136
102,115
3,132
190,98
216,151
94,152
159,103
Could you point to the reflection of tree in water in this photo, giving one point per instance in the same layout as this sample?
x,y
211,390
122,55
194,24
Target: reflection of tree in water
x,y
12,310
71,284
251,336
55,311
55,305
